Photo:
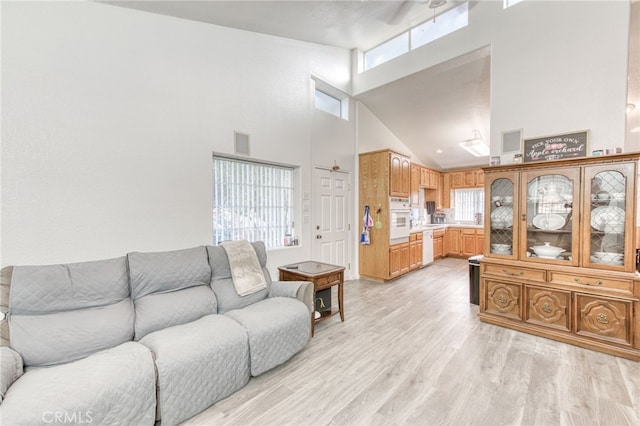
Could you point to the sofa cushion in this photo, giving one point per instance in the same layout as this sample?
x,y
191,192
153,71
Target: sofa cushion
x,y
170,288
61,313
278,328
198,364
222,283
112,387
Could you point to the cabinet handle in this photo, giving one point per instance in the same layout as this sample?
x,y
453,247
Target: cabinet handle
x,y
602,319
546,308
514,274
502,299
599,282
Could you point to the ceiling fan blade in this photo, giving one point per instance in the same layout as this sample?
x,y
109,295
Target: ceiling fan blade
x,y
401,12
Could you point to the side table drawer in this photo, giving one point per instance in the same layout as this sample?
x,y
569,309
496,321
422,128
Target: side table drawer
x,y
514,272
328,281
291,276
625,286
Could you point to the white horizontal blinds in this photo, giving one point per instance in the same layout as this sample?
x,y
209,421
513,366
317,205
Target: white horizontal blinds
x,y
468,202
251,201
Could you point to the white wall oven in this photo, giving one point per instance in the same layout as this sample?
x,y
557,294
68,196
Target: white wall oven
x,y
400,220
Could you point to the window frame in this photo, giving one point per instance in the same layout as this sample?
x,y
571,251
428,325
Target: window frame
x,y
245,220
457,211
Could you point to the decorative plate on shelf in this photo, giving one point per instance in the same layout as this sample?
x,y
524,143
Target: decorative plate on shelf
x,y
551,183
548,221
502,218
607,218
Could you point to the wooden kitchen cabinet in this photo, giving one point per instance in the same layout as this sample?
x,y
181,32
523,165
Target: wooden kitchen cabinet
x,y
399,259
400,175
379,171
452,241
479,241
464,241
587,295
456,180
415,250
423,178
438,244
468,242
471,178
416,172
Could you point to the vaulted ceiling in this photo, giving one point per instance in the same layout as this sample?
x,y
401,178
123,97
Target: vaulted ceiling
x,y
427,111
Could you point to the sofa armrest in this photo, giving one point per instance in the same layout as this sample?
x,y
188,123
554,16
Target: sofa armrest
x,y
11,368
301,290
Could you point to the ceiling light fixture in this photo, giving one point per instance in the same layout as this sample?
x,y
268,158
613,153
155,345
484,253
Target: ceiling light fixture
x,y
476,146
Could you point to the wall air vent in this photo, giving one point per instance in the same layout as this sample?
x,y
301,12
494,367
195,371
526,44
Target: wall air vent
x,y
241,143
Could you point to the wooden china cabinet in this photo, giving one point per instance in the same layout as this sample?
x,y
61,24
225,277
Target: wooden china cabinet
x,y
560,252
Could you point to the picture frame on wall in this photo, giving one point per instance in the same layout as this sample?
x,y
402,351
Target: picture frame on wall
x,y
557,147
511,142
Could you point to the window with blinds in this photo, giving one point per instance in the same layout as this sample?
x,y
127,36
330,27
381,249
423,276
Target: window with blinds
x,y
467,203
252,201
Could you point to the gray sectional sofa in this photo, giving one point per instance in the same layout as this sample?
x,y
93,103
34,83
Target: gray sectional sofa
x,y
144,337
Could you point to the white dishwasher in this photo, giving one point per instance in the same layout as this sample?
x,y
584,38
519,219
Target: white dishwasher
x,y
427,247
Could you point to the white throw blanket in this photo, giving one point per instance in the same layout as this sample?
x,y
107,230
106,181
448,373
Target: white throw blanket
x,y
245,268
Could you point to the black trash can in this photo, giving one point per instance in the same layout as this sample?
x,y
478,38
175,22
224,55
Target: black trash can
x,y
474,279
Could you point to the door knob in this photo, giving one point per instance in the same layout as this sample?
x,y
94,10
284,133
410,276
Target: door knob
x,y
318,236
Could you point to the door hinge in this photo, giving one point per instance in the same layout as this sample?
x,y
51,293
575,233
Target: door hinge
x,y
349,227
348,266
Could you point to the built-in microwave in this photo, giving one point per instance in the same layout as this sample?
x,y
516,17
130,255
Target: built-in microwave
x,y
399,220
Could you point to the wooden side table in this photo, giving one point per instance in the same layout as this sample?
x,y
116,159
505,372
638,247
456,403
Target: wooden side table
x,y
323,276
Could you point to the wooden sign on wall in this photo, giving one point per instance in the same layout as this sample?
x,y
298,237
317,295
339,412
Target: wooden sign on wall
x,y
556,147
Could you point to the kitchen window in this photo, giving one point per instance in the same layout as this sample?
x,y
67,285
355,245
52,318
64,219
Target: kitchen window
x,y
252,201
467,203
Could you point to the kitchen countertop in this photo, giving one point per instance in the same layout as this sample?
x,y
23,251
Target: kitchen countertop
x,y
434,226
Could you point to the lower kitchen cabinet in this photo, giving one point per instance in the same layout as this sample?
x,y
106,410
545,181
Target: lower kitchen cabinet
x,y
399,259
415,250
464,242
452,241
438,244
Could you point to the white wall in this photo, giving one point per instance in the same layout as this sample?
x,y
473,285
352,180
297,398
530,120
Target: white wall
x,y
557,66
110,117
373,135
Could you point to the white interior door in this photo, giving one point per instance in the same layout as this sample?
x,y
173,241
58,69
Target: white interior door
x,y
331,227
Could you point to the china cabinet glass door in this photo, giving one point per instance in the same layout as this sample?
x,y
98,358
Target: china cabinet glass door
x,y
502,213
546,207
608,218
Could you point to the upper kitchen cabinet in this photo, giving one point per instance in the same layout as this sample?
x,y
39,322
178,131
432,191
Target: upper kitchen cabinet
x,y
423,178
400,175
416,174
466,178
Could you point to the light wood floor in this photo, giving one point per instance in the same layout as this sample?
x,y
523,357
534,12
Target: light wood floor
x,y
413,352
